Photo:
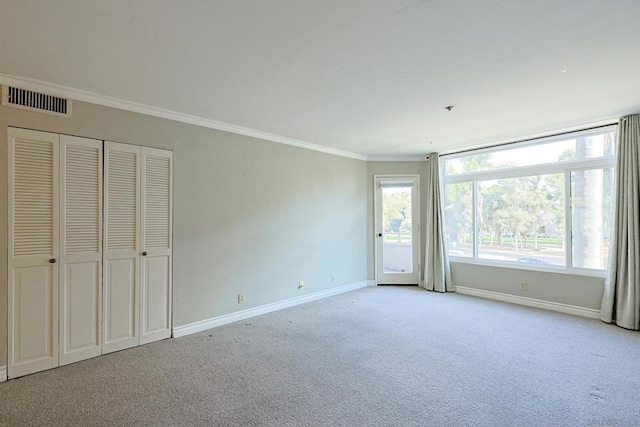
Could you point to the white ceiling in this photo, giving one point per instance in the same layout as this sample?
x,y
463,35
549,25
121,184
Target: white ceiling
x,y
366,76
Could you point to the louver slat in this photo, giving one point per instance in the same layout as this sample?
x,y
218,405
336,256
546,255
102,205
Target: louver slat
x,y
122,196
82,194
157,202
33,198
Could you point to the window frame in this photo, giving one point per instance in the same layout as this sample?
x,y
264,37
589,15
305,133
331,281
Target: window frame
x,y
560,167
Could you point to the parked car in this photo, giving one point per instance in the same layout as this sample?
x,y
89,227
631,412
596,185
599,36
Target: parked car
x,y
532,260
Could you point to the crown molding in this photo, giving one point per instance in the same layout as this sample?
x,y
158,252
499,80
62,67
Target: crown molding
x,y
107,101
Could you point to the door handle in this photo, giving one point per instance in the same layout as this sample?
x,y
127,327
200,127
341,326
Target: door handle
x,y
379,234
52,261
144,254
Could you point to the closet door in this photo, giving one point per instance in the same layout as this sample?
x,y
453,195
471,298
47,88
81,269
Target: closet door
x,y
156,222
121,246
33,252
81,254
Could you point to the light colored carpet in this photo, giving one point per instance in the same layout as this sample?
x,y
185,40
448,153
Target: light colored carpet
x,y
386,356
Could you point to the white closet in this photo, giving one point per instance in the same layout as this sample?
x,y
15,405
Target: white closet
x,y
59,311
137,249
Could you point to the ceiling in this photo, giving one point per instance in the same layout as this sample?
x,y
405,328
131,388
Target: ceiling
x,y
371,77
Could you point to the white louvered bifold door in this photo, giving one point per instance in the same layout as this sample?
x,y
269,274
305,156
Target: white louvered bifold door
x,y
121,246
81,248
33,252
156,226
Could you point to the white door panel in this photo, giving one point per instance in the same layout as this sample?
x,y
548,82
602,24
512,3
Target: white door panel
x,y
156,294
120,304
121,246
33,300
81,254
80,311
33,245
156,226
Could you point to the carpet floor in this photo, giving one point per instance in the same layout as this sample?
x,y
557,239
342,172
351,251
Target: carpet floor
x,y
385,356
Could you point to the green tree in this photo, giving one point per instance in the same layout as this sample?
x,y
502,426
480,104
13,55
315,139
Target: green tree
x,y
396,211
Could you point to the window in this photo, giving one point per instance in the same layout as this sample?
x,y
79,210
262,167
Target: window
x,y
544,204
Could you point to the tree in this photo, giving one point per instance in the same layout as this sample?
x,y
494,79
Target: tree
x,y
396,210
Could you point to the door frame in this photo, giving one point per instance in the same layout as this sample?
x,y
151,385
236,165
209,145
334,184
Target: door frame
x,y
416,215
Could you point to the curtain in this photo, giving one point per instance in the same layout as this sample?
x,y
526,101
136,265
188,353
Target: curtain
x,y
437,271
621,300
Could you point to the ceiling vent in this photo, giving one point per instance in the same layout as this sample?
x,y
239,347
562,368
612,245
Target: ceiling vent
x,y
35,101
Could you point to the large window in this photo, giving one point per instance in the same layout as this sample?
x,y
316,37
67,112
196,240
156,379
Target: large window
x,y
544,203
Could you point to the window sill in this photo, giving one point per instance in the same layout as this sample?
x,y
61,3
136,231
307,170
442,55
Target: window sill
x,y
517,266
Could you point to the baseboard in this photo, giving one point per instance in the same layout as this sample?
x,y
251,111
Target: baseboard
x,y
3,373
531,302
371,283
203,325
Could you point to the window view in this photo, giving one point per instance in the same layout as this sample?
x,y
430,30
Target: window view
x,y
591,210
397,229
521,213
458,225
592,146
522,220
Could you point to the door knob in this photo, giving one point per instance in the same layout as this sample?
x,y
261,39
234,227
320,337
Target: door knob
x,y
379,234
144,254
52,260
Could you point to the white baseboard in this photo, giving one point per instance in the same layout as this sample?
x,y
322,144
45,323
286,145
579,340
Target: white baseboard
x,y
3,373
531,302
371,283
203,325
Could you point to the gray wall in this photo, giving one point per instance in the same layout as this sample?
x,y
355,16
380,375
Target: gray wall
x,y
581,291
250,216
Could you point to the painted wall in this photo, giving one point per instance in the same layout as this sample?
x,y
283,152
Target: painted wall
x,y
250,216
581,291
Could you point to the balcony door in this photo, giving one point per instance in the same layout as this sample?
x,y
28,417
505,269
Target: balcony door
x,y
397,227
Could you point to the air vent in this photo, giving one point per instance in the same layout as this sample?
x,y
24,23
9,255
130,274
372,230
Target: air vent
x,y
35,101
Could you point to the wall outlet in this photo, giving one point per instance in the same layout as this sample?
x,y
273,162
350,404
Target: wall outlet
x,y
333,278
301,284
523,286
240,298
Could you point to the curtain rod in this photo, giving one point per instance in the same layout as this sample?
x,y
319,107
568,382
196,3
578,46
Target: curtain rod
x,y
526,140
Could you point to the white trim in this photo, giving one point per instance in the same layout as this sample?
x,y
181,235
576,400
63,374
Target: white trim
x,y
107,101
371,283
3,373
531,302
203,325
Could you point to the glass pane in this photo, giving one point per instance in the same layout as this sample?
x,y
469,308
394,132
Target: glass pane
x,y
591,217
458,219
581,148
522,220
397,248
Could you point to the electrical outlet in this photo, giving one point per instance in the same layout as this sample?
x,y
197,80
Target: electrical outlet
x,y
301,284
240,298
333,278
523,286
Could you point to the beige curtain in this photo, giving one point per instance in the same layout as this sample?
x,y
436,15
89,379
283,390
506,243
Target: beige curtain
x,y
621,300
437,271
